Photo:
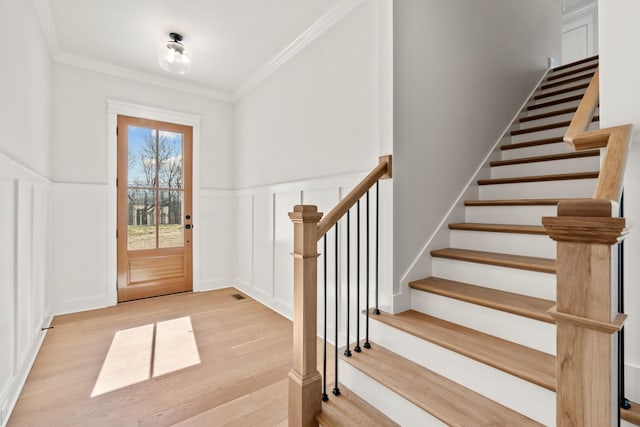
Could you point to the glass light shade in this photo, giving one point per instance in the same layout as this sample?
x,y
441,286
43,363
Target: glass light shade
x,y
174,57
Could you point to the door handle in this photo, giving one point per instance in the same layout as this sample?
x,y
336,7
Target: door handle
x,y
188,226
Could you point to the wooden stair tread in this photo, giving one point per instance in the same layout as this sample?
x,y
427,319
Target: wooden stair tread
x,y
543,265
549,114
521,305
499,228
514,202
540,178
555,102
547,158
547,127
573,64
349,409
557,83
531,365
561,91
578,70
533,143
631,415
446,400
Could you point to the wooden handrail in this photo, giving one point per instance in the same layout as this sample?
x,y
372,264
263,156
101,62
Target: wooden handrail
x,y
616,139
382,171
586,109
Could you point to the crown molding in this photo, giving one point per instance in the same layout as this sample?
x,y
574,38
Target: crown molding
x,y
571,14
326,21
45,16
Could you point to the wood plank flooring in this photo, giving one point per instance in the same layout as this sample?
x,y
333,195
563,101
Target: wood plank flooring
x,y
245,356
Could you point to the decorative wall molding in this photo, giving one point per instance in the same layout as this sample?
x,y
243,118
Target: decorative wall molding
x,y
25,296
578,12
328,20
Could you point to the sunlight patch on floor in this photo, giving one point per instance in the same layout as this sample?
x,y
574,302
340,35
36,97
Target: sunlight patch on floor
x,y
128,360
176,346
134,356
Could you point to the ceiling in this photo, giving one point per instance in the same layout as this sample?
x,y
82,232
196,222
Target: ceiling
x,y
235,43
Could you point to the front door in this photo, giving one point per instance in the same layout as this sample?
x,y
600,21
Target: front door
x,y
154,208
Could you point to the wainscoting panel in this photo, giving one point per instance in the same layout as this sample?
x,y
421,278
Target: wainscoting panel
x,y
244,241
81,236
25,304
7,287
263,244
216,239
264,237
282,248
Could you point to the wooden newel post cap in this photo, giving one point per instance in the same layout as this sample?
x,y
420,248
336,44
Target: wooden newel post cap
x,y
586,221
305,213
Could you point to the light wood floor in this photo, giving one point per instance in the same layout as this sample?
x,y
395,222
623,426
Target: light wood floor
x,y
245,352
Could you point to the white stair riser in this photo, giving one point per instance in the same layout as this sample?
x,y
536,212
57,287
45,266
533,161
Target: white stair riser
x,y
549,133
546,121
525,215
506,243
541,134
542,110
582,81
583,188
559,96
539,335
580,164
537,150
495,384
525,282
573,68
585,75
394,406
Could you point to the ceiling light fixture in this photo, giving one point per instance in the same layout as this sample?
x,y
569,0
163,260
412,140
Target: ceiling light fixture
x,y
173,56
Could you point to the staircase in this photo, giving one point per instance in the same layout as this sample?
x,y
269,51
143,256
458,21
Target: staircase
x,y
478,346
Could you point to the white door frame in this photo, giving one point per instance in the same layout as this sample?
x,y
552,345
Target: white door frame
x,y
114,109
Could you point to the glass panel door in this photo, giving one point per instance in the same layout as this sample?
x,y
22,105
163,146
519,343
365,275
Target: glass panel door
x,y
154,160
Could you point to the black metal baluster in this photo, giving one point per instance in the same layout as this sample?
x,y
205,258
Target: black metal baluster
x,y
357,348
336,390
347,351
367,344
622,401
325,396
377,309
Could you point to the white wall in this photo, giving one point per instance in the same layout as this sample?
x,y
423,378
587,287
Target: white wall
x,y
461,69
25,296
619,85
308,134
318,115
82,183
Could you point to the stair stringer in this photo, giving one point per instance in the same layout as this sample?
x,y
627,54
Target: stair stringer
x,y
421,266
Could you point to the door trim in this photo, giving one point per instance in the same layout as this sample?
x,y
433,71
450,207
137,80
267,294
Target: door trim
x,y
115,108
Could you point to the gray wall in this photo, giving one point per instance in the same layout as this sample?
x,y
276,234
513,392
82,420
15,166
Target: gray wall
x,y
461,70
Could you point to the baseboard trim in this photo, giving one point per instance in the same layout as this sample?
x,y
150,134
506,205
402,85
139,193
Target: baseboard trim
x,y
20,378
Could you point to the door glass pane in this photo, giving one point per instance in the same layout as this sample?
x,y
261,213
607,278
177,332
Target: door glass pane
x,y
170,218
141,157
141,232
170,159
